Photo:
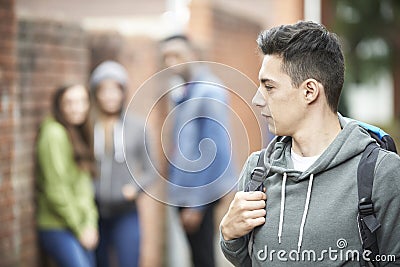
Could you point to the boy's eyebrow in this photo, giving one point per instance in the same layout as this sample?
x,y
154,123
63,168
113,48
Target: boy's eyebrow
x,y
264,80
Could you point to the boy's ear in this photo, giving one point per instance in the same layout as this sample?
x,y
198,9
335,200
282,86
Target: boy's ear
x,y
311,90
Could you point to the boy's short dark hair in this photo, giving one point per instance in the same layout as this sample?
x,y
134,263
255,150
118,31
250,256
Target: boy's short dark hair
x,y
308,50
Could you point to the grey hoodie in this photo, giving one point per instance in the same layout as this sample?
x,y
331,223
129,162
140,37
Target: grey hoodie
x,y
129,161
312,215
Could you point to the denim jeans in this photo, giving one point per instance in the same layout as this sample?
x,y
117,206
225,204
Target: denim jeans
x,y
119,236
64,248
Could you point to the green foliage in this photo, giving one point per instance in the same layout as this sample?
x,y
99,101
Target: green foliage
x,y
369,30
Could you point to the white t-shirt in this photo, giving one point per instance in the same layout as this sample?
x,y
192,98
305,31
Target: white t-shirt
x,y
301,163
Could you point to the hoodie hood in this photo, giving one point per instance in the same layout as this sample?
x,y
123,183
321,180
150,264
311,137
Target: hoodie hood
x,y
109,70
114,71
350,142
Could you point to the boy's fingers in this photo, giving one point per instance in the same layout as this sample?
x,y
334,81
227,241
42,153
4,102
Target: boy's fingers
x,y
257,221
254,195
253,214
253,205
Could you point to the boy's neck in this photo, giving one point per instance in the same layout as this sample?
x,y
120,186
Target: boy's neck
x,y
316,135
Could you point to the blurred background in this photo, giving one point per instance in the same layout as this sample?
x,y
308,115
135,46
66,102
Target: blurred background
x,y
46,42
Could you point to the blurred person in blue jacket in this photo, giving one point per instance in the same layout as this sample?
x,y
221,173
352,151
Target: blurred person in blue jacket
x,y
201,166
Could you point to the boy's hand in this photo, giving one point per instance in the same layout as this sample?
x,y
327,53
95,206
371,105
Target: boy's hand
x,y
246,212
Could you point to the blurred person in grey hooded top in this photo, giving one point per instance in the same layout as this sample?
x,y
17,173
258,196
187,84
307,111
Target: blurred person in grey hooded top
x,y
116,190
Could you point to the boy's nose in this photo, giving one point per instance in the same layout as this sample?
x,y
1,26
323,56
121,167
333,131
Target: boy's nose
x,y
258,99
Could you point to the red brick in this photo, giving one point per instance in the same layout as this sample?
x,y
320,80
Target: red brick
x,y
48,52
8,77
6,217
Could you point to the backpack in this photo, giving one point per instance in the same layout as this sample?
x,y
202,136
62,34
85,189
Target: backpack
x,y
368,224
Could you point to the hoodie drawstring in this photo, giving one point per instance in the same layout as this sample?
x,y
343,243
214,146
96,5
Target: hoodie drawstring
x,y
283,197
303,220
118,143
305,213
99,142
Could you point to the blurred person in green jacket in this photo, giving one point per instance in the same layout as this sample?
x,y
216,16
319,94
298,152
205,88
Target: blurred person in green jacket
x,y
66,212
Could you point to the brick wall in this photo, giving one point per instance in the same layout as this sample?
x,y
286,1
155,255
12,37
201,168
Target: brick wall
x,y
34,60
8,246
49,54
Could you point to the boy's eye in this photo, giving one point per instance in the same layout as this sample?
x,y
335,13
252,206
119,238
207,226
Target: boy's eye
x,y
268,87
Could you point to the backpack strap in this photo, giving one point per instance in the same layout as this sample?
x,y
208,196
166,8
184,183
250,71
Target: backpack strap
x,y
367,221
257,175
384,140
255,183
